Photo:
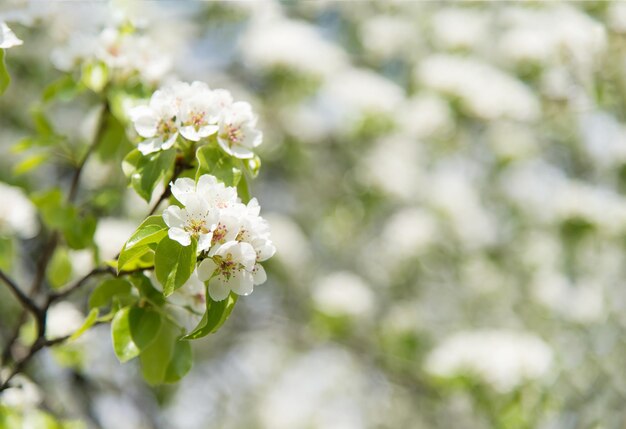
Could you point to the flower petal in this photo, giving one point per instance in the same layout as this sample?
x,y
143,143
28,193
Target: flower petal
x,y
218,290
242,283
180,235
206,269
258,274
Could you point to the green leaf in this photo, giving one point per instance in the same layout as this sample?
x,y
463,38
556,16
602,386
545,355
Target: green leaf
x,y
95,76
6,253
174,263
216,314
60,268
137,257
78,231
133,329
243,190
167,359
5,79
211,160
104,293
88,323
64,89
57,214
146,289
29,163
152,230
180,362
113,139
146,171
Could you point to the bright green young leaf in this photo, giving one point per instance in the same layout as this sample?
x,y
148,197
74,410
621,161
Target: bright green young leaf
x,y
136,257
133,329
6,253
60,268
180,362
88,323
216,314
64,89
151,231
5,79
104,293
211,160
174,263
146,171
29,163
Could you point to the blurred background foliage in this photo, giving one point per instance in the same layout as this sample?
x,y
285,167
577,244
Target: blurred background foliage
x,y
444,183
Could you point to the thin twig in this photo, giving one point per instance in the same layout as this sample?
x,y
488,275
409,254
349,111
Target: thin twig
x,y
6,351
28,303
55,296
79,169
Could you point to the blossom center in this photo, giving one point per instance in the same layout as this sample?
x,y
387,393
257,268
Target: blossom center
x,y
196,227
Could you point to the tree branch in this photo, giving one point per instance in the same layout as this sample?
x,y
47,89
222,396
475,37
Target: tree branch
x,y
28,303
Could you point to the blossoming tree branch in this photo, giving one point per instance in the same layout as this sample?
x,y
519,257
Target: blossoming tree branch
x,y
188,261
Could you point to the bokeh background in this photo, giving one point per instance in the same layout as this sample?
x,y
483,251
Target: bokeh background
x,y
445,186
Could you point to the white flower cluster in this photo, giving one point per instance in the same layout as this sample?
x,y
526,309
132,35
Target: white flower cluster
x,y
18,215
231,234
125,53
196,112
502,359
8,39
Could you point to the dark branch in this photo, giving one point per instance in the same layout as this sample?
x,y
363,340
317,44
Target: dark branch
x,y
28,303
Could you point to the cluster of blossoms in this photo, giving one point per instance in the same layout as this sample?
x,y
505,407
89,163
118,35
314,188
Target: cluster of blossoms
x,y
124,52
231,236
196,112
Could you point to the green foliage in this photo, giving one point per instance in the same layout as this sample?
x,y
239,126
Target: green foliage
x,y
142,242
57,214
90,320
166,360
64,89
60,268
214,317
95,76
212,160
113,139
5,79
6,253
133,329
112,289
174,263
146,171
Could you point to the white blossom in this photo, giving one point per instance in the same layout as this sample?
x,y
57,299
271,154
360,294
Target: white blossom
x,y
237,133
233,235
500,358
157,122
343,294
8,39
483,90
230,269
17,214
